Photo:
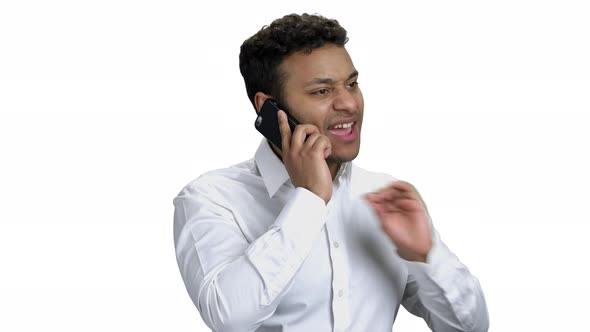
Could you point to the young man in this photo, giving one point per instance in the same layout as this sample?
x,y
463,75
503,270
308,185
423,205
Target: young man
x,y
302,239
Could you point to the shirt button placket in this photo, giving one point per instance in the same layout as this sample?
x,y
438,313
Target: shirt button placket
x,y
340,305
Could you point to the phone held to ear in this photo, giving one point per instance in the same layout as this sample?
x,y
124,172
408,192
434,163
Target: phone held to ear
x,y
267,122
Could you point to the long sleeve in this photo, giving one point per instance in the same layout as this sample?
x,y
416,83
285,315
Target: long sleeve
x,y
445,293
235,284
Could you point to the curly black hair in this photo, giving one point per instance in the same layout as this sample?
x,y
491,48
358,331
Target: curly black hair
x,y
262,54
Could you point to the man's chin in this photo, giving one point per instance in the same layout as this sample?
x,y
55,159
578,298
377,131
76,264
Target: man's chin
x,y
340,158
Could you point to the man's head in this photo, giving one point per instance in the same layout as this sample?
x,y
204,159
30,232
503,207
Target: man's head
x,y
300,61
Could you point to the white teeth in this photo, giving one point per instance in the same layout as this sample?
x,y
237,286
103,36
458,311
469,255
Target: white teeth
x,y
343,125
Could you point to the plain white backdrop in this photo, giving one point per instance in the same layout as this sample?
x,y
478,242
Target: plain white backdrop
x,y
107,109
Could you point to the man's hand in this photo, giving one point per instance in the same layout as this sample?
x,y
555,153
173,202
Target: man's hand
x,y
305,159
404,218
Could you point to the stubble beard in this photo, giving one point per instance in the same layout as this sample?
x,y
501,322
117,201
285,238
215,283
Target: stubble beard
x,y
338,160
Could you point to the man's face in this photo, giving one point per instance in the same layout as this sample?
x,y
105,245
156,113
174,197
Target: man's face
x,y
321,89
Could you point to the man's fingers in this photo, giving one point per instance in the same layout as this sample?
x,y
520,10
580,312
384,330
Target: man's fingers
x,y
323,145
402,185
409,188
405,187
317,143
378,208
390,194
301,132
398,189
403,205
285,132
310,140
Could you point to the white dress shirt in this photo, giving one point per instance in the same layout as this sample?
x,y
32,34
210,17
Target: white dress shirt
x,y
257,254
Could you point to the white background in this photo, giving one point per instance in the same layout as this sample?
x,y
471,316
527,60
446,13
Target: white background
x,y
107,109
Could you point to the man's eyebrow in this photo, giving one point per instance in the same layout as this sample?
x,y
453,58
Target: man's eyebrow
x,y
329,80
353,75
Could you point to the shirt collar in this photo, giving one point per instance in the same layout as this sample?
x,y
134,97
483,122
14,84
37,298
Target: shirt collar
x,y
271,168
273,171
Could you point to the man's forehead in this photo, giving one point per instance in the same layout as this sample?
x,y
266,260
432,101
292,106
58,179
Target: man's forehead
x,y
327,62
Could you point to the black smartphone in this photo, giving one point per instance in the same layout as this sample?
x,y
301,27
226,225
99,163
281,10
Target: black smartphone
x,y
267,122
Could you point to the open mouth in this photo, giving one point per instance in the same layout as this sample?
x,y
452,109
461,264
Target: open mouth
x,y
344,131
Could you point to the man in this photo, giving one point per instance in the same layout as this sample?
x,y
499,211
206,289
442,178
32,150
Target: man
x,y
302,239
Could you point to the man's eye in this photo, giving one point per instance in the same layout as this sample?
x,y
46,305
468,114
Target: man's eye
x,y
321,92
353,84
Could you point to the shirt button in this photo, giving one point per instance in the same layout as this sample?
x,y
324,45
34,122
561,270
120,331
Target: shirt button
x,y
336,244
340,293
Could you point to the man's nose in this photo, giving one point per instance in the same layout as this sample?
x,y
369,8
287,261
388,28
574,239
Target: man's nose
x,y
345,101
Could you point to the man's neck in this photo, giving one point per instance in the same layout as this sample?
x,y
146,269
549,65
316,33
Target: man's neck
x,y
333,169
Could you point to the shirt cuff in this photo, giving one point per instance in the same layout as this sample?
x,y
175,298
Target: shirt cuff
x,y
440,264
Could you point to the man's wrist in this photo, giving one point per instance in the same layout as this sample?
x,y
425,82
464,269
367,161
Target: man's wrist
x,y
411,257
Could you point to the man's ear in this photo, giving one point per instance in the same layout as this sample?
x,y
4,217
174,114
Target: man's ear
x,y
259,99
